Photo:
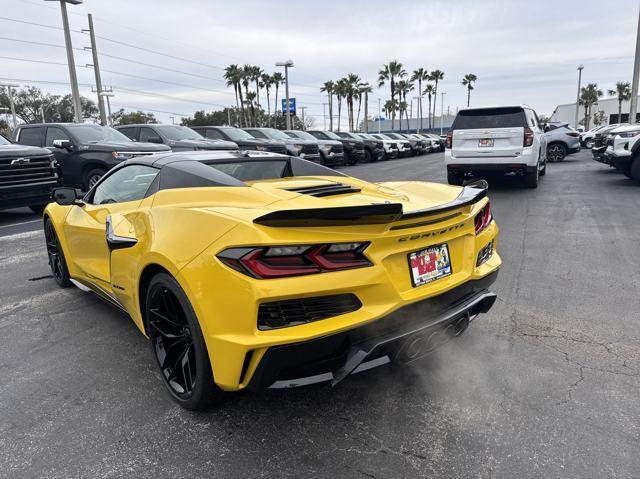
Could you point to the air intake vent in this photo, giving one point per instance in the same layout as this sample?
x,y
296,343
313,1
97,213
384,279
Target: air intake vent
x,y
280,314
326,190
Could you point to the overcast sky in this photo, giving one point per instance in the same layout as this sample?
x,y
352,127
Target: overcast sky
x,y
521,51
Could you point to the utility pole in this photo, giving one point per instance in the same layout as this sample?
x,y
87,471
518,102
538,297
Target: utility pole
x,y
288,64
303,108
324,116
11,103
366,112
379,116
42,114
96,70
575,122
108,94
442,94
228,117
634,84
75,92
419,123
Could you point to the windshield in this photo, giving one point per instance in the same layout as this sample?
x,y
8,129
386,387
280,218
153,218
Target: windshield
x,y
96,133
303,135
4,141
344,134
237,134
178,132
381,137
275,134
331,135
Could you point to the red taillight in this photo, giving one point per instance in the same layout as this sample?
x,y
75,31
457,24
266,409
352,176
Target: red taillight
x,y
483,219
574,134
283,261
449,141
528,137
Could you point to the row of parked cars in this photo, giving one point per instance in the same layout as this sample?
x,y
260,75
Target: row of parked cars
x,y
617,145
42,156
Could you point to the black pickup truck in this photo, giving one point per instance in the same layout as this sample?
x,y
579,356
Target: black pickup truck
x,y
373,148
84,151
353,147
27,175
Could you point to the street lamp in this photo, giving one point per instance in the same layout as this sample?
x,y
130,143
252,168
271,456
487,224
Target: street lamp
x,y
442,94
575,121
108,94
379,116
288,64
75,93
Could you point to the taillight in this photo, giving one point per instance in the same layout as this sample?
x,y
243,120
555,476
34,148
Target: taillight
x,y
528,137
483,219
283,261
449,139
574,134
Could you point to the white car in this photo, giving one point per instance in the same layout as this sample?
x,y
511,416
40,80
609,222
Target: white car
x,y
496,140
404,146
619,144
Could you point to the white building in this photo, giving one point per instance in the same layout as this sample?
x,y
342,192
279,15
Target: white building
x,y
414,124
566,113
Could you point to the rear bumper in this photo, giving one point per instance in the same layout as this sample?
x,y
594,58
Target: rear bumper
x,y
430,323
490,168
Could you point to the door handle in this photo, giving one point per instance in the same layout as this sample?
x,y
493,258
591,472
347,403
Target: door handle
x,y
115,241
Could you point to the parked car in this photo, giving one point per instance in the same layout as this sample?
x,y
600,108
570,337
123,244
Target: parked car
x,y
27,175
331,151
305,149
587,137
630,164
353,147
561,140
177,137
414,147
389,147
84,151
600,140
244,140
496,140
437,143
619,143
419,145
373,148
404,146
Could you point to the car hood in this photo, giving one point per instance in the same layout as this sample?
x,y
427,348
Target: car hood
x,y
14,150
624,129
204,144
260,141
327,142
298,141
124,146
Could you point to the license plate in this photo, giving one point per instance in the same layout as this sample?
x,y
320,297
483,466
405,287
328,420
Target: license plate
x,y
429,264
486,142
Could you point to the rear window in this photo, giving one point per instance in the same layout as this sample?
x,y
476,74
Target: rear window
x,y
252,170
489,118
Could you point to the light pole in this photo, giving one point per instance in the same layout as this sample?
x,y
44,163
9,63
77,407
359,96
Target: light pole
x,y
75,93
442,94
288,64
634,83
302,109
324,116
108,94
379,116
419,121
11,104
575,121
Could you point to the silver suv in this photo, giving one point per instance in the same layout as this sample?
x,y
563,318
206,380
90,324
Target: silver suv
x,y
561,140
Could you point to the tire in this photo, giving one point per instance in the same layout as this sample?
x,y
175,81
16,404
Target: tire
x,y
91,177
175,336
588,143
368,157
543,171
454,178
531,180
37,209
57,261
556,152
635,170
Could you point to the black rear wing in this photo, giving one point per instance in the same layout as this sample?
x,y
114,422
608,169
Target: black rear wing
x,y
382,213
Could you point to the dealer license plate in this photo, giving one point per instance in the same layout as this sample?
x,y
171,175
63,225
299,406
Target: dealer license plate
x,y
486,142
429,264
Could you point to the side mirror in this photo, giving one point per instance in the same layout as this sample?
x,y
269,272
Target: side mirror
x,y
66,196
546,128
154,139
65,144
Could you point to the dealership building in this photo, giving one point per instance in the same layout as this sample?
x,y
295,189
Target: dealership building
x,y
384,125
566,113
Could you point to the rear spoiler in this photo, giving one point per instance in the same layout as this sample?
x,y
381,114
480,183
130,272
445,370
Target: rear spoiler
x,y
382,213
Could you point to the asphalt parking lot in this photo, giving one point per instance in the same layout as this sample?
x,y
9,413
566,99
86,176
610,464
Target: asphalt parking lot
x,y
545,385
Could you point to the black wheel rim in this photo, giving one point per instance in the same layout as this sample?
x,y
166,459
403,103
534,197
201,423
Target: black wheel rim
x,y
53,251
93,179
172,341
555,153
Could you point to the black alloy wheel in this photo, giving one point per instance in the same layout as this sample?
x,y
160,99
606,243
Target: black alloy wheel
x,y
556,152
57,261
178,344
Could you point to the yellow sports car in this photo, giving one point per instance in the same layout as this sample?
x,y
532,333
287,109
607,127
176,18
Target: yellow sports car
x,y
253,270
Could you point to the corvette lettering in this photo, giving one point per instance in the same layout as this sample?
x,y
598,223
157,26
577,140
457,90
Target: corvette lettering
x,y
431,233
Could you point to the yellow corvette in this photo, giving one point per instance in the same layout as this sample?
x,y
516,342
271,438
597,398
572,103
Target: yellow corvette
x,y
253,270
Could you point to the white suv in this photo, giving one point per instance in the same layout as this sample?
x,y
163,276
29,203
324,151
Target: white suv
x,y
499,139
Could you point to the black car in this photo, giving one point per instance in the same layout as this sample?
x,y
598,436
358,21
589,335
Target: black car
x,y
373,148
601,141
306,149
84,151
27,175
244,140
331,151
437,143
176,137
353,147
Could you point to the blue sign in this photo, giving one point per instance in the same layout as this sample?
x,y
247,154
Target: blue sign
x,y
292,106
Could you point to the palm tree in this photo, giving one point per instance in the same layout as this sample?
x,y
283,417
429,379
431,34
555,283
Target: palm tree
x,y
245,80
340,90
403,87
623,92
251,102
420,75
363,89
351,83
328,87
278,79
589,96
429,90
233,76
256,75
468,81
389,73
389,107
435,76
267,83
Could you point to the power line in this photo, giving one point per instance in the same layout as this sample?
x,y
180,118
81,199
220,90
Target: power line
x,y
165,82
138,108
